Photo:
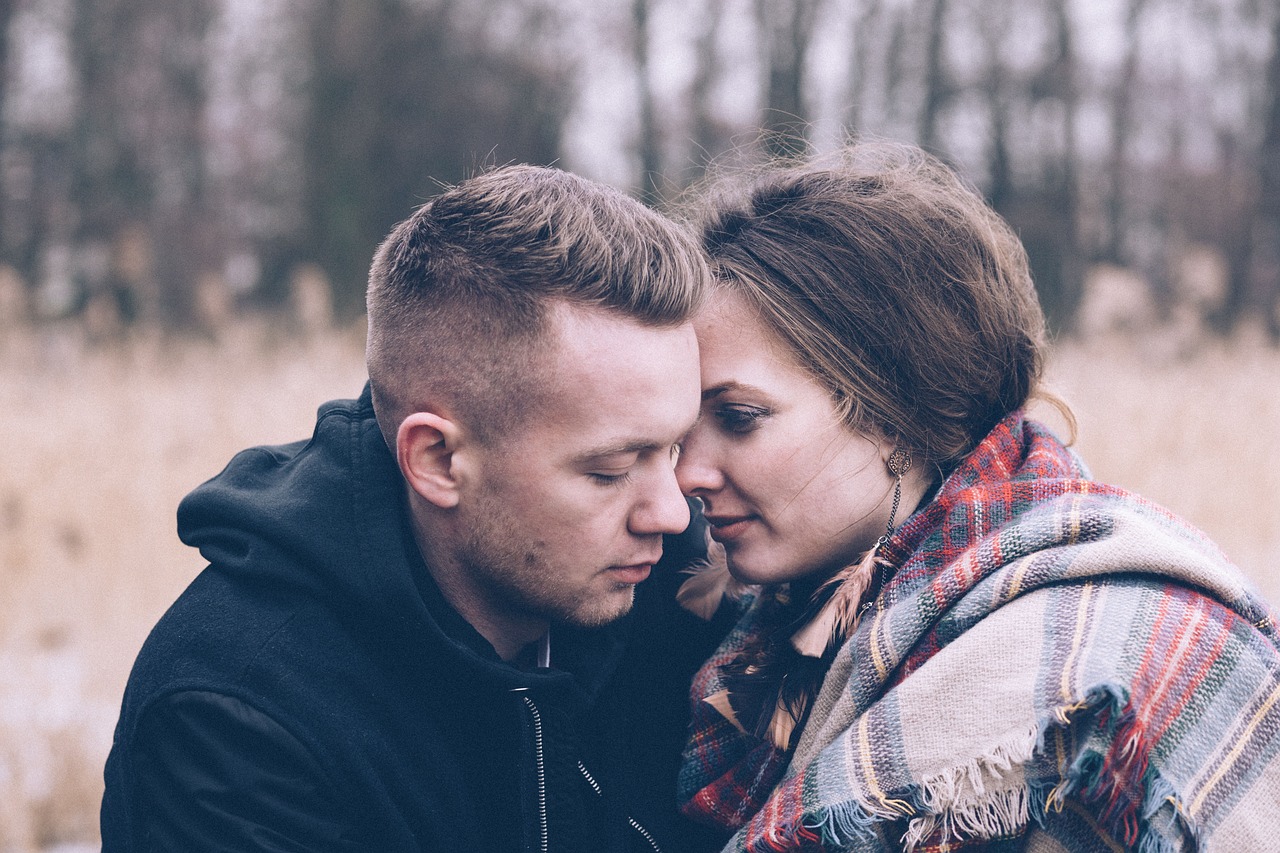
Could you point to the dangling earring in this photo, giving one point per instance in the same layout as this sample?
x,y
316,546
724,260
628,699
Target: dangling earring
x,y
899,463
839,615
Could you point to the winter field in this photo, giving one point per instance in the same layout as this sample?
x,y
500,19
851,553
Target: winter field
x,y
102,441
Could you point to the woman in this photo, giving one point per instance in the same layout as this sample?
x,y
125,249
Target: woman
x,y
953,638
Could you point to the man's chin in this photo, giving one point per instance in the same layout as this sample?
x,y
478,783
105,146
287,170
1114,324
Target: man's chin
x,y
604,610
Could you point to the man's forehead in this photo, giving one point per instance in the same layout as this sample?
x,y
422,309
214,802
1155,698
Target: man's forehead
x,y
612,385
588,336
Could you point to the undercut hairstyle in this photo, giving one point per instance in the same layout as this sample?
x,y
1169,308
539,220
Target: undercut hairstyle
x,y
460,292
895,285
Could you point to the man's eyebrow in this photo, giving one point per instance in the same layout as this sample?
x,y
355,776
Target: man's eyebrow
x,y
604,450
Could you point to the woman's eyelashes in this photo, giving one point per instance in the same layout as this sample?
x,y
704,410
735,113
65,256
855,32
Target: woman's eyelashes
x,y
740,418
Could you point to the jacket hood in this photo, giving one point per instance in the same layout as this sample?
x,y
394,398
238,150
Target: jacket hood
x,y
327,520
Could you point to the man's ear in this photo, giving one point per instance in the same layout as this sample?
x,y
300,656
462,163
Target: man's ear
x,y
425,445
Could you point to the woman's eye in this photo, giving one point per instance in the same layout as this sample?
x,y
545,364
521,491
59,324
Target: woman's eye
x,y
741,418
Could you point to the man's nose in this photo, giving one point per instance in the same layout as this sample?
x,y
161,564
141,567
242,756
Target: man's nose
x,y
694,469
663,509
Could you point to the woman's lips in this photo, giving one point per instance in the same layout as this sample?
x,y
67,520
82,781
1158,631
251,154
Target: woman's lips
x,y
725,528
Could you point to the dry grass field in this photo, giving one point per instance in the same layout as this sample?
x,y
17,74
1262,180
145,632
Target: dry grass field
x,y
102,442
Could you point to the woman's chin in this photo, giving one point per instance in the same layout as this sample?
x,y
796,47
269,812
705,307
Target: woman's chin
x,y
747,569
745,572
758,574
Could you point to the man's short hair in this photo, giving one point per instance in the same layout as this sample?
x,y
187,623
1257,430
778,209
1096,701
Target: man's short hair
x,y
459,292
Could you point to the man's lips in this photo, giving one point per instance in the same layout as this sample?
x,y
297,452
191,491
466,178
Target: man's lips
x,y
633,573
728,527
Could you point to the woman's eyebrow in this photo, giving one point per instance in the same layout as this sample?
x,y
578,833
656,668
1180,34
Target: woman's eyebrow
x,y
732,385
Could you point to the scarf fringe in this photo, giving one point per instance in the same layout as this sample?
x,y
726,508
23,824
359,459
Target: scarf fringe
x,y
975,800
1166,821
1159,823
846,826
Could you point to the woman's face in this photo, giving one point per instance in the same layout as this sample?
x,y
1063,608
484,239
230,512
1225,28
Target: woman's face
x,y
786,487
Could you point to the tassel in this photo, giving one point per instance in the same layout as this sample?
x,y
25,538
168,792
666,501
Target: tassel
x,y
784,687
708,585
839,616
780,676
720,701
783,722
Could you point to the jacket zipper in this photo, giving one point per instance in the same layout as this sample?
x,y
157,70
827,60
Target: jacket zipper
x,y
541,771
635,824
591,780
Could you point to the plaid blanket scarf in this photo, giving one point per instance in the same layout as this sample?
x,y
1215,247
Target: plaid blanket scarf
x,y
1056,665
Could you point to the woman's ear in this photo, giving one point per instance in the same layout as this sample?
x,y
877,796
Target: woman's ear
x,y
425,445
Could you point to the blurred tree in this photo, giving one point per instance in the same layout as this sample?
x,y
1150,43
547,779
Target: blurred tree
x,y
1244,196
1266,226
1041,198
145,232
198,138
938,89
6,17
865,25
404,96
1057,254
650,142
36,210
258,74
786,27
1231,196
1122,126
997,88
709,136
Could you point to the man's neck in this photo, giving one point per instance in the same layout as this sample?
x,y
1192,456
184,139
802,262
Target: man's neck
x,y
508,633
507,639
536,655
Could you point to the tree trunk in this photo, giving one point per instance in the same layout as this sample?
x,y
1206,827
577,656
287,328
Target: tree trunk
x,y
787,27
708,137
1266,227
864,28
1073,271
1000,190
1114,249
405,96
649,143
140,158
936,85
6,15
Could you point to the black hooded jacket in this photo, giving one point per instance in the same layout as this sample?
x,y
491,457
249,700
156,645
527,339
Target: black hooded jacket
x,y
312,690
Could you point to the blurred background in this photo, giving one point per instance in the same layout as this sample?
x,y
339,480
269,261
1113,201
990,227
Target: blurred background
x,y
191,191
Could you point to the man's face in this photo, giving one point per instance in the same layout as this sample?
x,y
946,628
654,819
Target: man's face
x,y
565,515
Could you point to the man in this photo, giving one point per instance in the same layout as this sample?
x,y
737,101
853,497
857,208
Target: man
x,y
408,636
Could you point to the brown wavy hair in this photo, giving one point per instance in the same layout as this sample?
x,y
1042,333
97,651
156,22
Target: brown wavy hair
x,y
895,284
